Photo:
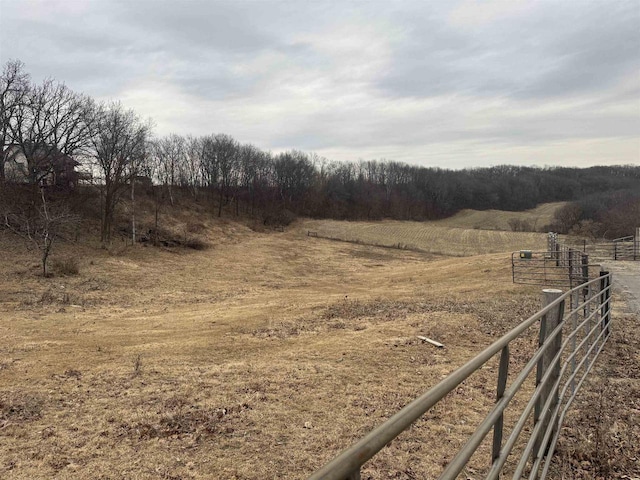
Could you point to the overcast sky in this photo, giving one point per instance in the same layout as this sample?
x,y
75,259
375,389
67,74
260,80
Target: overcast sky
x,y
438,83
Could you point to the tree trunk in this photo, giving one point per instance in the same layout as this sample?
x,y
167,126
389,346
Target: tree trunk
x,y
220,201
48,240
105,232
133,212
46,249
170,194
155,230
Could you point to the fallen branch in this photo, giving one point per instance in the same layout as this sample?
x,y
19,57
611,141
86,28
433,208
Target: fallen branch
x,y
432,342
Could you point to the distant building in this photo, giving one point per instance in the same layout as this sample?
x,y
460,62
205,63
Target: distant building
x,y
49,166
142,181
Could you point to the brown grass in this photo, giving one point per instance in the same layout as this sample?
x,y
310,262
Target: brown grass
x,y
260,357
429,237
499,220
66,266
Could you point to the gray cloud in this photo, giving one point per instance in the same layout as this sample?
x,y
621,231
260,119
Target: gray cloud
x,y
555,49
600,44
193,26
417,81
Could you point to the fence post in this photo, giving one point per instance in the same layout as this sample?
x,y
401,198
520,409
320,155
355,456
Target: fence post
x,y
502,384
605,298
571,268
585,279
585,268
548,323
573,304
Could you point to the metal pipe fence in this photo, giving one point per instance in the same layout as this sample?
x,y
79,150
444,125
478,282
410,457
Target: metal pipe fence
x,y
564,267
573,329
623,248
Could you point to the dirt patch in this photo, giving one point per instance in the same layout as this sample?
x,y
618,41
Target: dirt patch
x,y
626,275
178,420
19,407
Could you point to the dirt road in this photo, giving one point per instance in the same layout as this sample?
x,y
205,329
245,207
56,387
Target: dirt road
x,y
626,282
600,435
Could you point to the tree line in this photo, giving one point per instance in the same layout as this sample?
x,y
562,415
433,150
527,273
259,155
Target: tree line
x,y
42,122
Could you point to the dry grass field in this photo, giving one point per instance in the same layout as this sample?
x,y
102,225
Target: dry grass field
x,y
258,358
469,232
430,237
499,220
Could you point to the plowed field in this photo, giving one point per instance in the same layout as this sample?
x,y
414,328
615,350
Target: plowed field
x,y
429,237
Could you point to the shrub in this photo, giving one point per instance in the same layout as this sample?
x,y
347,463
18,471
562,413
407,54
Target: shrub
x,y
195,227
67,266
518,225
566,217
278,218
515,224
587,228
195,243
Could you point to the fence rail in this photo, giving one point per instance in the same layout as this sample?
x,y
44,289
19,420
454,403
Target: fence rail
x,y
623,248
562,268
573,329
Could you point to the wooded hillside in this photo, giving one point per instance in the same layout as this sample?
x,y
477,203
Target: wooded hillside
x,y
112,152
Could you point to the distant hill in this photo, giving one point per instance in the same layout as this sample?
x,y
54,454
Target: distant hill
x,y
535,218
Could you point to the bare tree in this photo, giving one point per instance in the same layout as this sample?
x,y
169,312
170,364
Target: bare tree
x,y
220,164
14,85
255,177
191,167
49,123
209,163
40,225
566,217
148,167
136,167
170,153
250,160
294,174
118,140
226,150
